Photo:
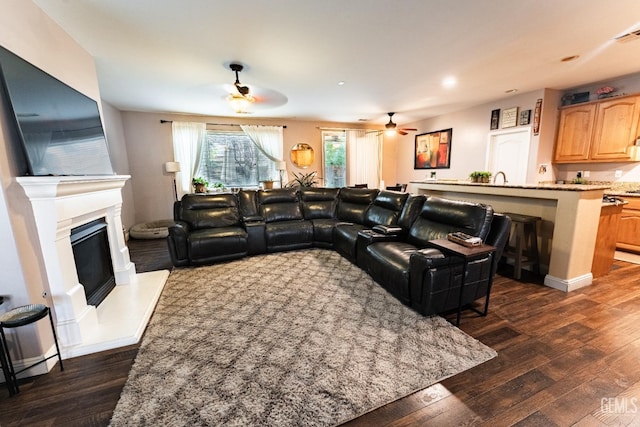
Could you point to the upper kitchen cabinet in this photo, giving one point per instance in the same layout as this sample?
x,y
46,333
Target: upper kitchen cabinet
x,y
602,131
574,133
616,129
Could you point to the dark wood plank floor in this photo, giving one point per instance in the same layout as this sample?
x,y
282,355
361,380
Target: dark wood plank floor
x,y
563,359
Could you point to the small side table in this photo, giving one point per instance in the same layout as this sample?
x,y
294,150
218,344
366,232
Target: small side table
x,y
468,254
14,318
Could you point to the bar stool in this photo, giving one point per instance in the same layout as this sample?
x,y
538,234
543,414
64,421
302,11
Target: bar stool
x,y
14,318
525,251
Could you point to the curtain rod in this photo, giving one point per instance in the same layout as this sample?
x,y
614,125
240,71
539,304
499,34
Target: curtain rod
x,y
218,124
368,130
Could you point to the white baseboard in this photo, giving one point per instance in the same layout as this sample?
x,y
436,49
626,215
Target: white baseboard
x,y
568,285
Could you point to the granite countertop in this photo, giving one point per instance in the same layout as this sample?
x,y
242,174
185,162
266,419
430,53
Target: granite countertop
x,y
605,204
539,186
620,193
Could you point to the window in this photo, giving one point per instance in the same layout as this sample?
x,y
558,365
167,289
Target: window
x,y
232,159
334,150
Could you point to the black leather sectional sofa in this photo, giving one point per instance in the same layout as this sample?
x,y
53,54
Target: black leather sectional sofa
x,y
218,227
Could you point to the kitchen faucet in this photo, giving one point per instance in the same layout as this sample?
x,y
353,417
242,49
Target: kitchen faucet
x,y
504,177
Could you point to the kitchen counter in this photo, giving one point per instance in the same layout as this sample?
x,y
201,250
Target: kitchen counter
x,y
570,215
623,194
560,187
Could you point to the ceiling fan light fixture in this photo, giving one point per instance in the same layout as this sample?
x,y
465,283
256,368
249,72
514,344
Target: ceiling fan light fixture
x,y
392,129
240,103
241,100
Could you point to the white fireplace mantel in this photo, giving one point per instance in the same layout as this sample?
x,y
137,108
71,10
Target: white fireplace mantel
x,y
59,204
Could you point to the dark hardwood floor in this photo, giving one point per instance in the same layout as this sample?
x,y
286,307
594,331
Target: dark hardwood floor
x,y
563,359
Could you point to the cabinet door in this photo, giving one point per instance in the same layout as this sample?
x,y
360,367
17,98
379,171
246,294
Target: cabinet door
x,y
628,236
615,129
574,133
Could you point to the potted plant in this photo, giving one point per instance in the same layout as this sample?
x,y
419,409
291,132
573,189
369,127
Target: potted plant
x,y
480,176
267,183
303,180
200,184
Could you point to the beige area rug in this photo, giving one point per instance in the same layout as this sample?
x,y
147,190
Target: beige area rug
x,y
301,338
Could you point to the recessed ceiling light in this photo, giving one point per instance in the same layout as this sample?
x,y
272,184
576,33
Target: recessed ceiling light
x,y
340,83
449,82
511,91
570,58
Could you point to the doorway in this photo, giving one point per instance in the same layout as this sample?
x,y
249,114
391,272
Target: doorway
x,y
508,151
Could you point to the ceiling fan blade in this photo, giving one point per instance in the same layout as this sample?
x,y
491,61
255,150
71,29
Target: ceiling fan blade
x,y
410,129
401,132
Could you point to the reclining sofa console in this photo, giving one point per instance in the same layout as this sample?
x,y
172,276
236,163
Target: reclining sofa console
x,y
386,233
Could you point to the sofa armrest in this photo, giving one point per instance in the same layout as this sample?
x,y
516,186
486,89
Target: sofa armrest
x,y
392,230
434,280
256,239
252,218
423,259
177,242
367,237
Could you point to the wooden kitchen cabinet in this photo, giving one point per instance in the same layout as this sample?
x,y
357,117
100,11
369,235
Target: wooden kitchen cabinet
x,y
615,129
600,131
574,133
628,236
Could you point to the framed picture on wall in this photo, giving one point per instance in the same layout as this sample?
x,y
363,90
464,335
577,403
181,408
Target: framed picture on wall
x,y
495,118
433,150
510,117
536,117
525,117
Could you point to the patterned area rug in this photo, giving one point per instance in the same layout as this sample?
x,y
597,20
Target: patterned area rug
x,y
296,338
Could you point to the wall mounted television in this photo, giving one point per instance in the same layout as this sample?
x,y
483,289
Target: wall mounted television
x,y
59,128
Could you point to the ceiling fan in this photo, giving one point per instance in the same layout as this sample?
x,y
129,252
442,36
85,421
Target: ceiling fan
x,y
392,127
240,97
241,100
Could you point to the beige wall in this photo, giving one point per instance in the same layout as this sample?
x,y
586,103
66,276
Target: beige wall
x,y
32,35
114,132
149,146
471,135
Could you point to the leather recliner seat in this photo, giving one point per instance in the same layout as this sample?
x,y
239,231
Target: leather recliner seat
x,y
285,226
319,206
207,229
422,276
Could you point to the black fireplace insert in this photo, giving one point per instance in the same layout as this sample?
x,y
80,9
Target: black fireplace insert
x,y
90,244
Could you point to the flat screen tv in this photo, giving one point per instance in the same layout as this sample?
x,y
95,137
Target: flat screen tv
x,y
59,128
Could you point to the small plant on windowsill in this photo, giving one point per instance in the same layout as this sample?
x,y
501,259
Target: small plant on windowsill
x,y
200,184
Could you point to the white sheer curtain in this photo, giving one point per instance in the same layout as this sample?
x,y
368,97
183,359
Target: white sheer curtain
x,y
188,138
269,140
364,158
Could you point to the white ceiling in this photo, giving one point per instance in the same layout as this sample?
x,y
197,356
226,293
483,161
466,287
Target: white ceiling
x,y
173,56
